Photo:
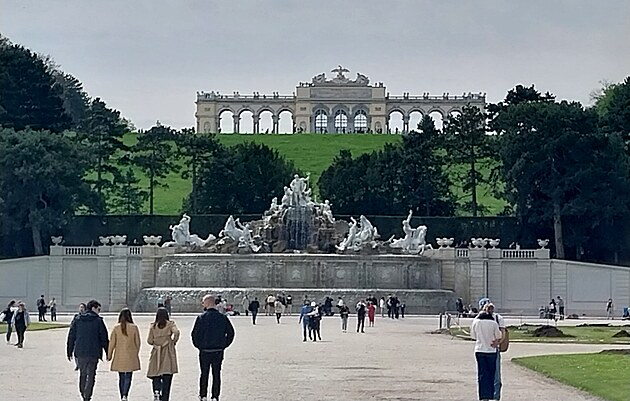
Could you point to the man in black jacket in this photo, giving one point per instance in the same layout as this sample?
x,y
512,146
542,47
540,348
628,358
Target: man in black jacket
x,y
211,335
87,339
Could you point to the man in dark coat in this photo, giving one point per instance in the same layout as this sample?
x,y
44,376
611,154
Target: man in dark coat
x,y
87,339
211,335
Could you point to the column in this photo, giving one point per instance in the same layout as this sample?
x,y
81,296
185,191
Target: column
x,y
118,278
405,129
256,123
237,123
275,120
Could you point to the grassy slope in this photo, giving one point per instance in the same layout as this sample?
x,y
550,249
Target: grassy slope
x,y
603,375
310,152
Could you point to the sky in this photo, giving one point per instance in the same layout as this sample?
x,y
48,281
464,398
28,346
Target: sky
x,y
148,58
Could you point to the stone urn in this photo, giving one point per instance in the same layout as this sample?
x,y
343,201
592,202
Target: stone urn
x,y
543,243
104,240
440,242
448,242
56,240
478,242
119,239
494,243
152,239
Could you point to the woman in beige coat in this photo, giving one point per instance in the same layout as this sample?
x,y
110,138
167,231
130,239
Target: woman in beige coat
x,y
163,336
124,347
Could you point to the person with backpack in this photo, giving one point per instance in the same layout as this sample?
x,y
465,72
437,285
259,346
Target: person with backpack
x,y
485,331
123,350
503,347
7,316
20,320
41,309
344,312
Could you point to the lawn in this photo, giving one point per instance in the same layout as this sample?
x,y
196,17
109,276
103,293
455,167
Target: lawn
x,y
36,326
311,153
581,335
603,375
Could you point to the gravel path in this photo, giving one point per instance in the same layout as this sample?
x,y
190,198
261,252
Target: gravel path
x,y
396,360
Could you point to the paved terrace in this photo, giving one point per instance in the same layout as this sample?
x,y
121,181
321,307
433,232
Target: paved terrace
x,y
396,360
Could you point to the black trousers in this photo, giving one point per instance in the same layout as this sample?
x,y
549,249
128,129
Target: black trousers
x,y
42,314
9,331
162,385
210,361
254,314
20,330
360,323
87,376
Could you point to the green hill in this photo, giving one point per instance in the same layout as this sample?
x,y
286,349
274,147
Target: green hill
x,y
311,153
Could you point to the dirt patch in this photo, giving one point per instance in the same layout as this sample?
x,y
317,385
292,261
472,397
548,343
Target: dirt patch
x,y
616,351
621,334
549,331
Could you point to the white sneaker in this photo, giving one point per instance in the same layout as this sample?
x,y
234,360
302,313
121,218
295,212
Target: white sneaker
x,y
156,396
203,398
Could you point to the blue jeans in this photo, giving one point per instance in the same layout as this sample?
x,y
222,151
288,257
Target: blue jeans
x,y
497,378
486,369
124,383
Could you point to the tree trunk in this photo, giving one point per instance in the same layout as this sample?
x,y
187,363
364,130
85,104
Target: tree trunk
x,y
151,185
194,187
37,238
557,231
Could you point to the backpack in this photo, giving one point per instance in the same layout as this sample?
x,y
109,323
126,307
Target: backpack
x,y
505,341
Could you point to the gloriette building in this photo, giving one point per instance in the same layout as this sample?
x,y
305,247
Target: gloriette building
x,y
337,105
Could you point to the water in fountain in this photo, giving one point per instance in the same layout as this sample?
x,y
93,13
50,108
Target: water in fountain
x,y
298,226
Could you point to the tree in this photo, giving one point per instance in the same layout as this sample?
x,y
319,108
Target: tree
x,y
102,131
613,109
76,101
126,196
425,186
41,182
153,154
558,167
196,150
28,94
467,143
241,179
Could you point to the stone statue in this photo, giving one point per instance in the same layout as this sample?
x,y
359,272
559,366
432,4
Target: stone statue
x,y
231,230
349,241
181,236
300,191
239,233
327,212
368,233
414,240
287,198
362,80
319,78
340,73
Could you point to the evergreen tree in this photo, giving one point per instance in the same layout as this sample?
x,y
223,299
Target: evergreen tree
x,y
126,196
41,183
153,155
467,143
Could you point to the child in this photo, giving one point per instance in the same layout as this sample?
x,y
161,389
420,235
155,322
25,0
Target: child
x,y
371,314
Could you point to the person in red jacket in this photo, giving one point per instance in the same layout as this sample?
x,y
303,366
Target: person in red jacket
x,y
371,313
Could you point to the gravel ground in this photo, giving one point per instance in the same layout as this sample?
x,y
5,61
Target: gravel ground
x,y
396,360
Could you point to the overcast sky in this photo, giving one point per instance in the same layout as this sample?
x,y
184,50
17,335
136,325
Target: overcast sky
x,y
148,58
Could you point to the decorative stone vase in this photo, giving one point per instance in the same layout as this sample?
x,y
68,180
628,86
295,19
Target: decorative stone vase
x,y
494,243
543,243
152,239
104,240
56,240
448,242
440,242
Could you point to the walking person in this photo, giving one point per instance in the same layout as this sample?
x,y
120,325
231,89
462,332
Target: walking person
x,y
485,331
41,309
402,310
20,321
53,309
82,309
211,335
304,319
254,306
560,306
609,309
371,310
278,308
344,312
314,321
245,304
271,301
289,300
361,311
163,336
168,304
490,308
552,309
87,340
7,317
123,350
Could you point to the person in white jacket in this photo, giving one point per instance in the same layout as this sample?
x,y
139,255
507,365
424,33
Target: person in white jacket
x,y
485,330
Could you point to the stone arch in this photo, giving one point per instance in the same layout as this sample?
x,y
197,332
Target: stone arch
x,y
415,116
265,120
226,120
286,125
395,121
438,117
320,121
246,121
360,121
